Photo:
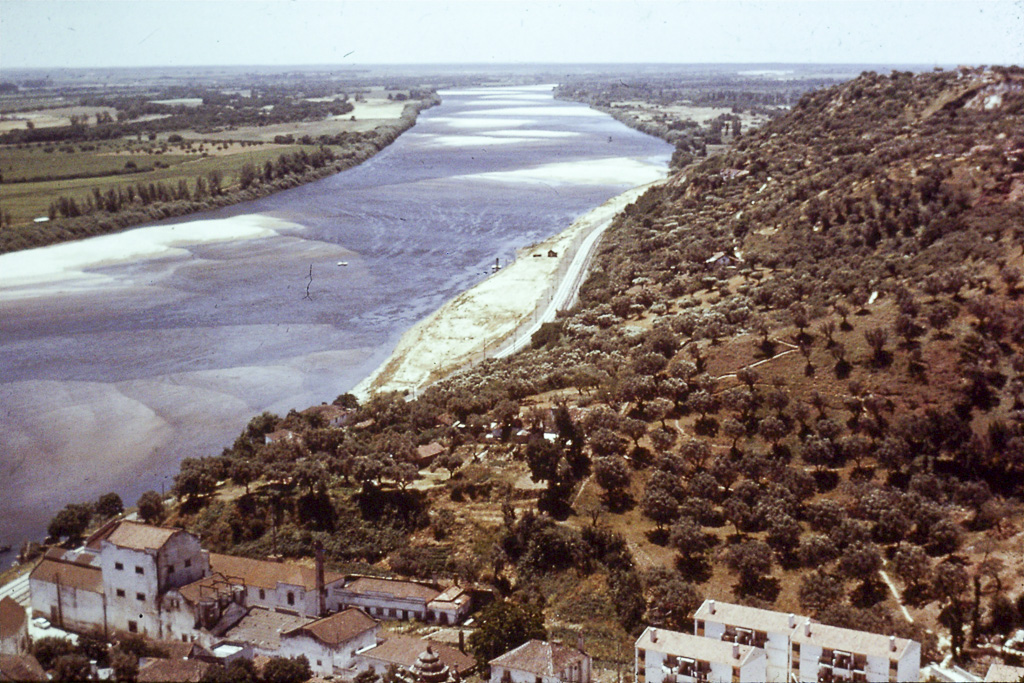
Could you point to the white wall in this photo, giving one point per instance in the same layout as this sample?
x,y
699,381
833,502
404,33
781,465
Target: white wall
x,y
328,658
377,605
82,610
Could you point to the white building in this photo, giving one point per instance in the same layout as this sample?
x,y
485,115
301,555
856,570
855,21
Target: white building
x,y
405,652
67,589
13,627
140,565
664,656
797,648
540,661
403,600
331,643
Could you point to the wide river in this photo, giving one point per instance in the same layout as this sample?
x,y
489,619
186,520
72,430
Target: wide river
x,y
122,354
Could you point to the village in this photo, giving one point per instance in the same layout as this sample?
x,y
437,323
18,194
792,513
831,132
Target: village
x,y
206,610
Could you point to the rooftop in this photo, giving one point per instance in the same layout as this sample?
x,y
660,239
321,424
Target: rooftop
x,y
78,576
263,627
157,670
394,587
13,617
1004,672
139,536
540,657
747,617
403,650
849,640
21,668
697,647
265,574
455,595
337,628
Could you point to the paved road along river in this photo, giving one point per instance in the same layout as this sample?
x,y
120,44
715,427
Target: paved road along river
x,y
122,354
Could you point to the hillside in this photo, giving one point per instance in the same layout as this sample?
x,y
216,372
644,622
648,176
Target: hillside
x,y
794,379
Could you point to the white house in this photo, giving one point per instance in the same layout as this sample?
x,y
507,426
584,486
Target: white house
x,y
13,627
664,656
331,643
540,661
140,564
797,647
830,653
403,600
762,628
406,652
67,589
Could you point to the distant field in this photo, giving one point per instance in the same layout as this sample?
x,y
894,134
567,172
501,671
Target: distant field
x,y
26,201
49,118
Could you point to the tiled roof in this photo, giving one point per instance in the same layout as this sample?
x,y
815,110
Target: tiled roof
x,y
184,670
1004,672
403,650
140,536
850,640
746,617
393,587
12,617
338,628
264,574
454,595
21,668
263,627
540,657
81,577
696,647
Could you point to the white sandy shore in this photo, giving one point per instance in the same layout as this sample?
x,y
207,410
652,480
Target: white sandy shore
x,y
69,263
496,314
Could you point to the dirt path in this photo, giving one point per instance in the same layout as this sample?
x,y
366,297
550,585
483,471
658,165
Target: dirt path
x,y
896,595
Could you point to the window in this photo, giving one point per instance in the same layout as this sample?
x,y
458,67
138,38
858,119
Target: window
x,y
700,627
118,566
170,569
291,598
319,663
133,627
140,596
120,592
188,563
263,594
184,638
139,570
392,613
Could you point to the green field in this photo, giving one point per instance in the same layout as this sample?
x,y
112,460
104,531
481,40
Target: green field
x,y
28,200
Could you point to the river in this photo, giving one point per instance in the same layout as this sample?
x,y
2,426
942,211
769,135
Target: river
x,y
125,353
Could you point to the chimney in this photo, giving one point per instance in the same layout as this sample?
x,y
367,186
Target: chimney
x,y
792,620
321,590
807,627
892,643
711,606
735,650
654,635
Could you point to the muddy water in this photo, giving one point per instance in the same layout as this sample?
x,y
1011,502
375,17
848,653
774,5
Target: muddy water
x,y
123,354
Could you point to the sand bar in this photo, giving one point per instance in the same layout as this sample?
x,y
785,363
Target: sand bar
x,y
498,315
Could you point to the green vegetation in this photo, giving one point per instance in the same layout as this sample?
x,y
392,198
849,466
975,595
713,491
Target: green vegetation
x,y
792,368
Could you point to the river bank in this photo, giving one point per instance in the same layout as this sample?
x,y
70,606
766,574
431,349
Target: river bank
x,y
498,316
101,222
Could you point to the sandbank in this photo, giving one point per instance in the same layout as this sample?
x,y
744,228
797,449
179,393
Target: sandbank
x,y
499,312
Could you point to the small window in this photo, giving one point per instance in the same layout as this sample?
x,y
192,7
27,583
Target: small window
x,y
291,598
139,570
118,566
392,613
119,592
170,569
319,663
140,596
188,563
263,594
184,638
133,627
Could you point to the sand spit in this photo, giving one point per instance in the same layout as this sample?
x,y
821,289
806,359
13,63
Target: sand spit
x,y
499,314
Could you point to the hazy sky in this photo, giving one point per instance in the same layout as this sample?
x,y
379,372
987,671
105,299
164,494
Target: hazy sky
x,y
49,33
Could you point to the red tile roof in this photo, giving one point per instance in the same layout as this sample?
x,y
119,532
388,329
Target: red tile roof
x,y
396,588
540,657
140,536
21,668
338,628
12,617
265,574
403,650
173,670
81,577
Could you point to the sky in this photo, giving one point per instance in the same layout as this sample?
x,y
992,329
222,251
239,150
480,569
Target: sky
x,y
101,33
